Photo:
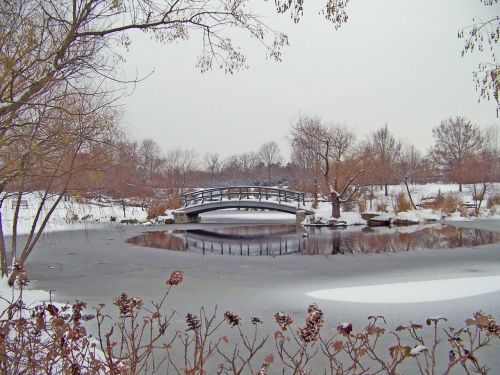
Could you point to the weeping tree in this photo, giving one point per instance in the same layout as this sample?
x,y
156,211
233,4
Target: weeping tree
x,y
334,147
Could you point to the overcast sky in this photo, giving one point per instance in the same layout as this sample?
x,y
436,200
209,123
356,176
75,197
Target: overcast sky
x,y
395,61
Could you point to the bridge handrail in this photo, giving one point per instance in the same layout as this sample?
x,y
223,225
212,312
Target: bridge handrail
x,y
211,194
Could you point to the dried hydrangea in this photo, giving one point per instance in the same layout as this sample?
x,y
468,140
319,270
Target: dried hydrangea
x,y
314,322
127,304
345,328
77,307
232,318
193,322
283,320
175,278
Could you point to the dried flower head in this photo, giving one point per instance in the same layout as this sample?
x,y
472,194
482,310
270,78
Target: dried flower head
x,y
193,322
21,277
77,307
485,322
232,318
283,320
345,328
314,322
175,278
127,304
256,320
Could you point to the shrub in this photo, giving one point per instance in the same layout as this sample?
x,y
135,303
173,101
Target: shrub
x,y
492,201
447,202
381,206
174,201
156,209
402,202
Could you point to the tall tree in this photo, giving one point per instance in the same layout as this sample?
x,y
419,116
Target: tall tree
x,y
334,146
150,161
57,146
212,163
409,165
457,141
386,151
269,154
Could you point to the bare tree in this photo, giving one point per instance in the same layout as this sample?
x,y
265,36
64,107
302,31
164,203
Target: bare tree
x,y
54,149
247,162
150,161
306,161
212,163
269,154
386,151
179,168
409,164
492,146
456,142
334,147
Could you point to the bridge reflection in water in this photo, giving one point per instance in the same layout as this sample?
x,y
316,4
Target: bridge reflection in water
x,y
290,239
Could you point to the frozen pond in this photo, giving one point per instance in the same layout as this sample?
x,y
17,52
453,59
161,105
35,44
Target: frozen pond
x,y
283,239
97,265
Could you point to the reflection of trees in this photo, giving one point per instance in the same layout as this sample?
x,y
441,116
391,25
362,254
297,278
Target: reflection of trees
x,y
372,241
321,241
160,240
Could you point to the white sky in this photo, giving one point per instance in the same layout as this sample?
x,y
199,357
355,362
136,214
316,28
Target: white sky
x,y
395,60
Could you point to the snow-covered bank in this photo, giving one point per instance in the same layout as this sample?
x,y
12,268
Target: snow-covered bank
x,y
70,214
384,208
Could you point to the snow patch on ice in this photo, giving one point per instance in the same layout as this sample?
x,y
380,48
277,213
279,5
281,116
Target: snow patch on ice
x,y
412,292
29,296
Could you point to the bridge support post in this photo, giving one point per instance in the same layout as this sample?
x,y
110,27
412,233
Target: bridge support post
x,y
182,218
300,216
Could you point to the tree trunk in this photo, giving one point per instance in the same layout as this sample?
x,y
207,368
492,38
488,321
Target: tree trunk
x,y
13,250
335,205
409,194
386,190
34,235
315,201
3,253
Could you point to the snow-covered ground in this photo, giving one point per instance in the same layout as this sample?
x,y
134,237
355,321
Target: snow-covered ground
x,y
68,215
419,194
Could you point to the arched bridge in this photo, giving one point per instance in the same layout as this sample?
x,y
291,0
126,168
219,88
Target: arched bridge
x,y
256,197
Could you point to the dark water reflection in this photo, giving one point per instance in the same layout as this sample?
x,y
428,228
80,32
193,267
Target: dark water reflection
x,y
289,239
